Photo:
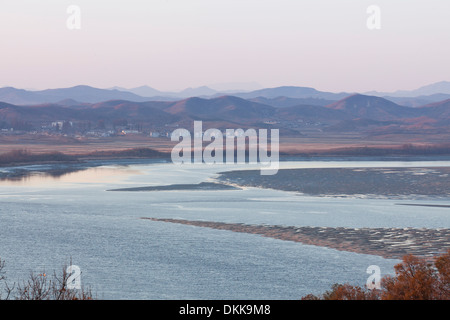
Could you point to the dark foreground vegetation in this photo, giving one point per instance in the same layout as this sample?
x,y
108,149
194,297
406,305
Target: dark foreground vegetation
x,y
41,286
415,279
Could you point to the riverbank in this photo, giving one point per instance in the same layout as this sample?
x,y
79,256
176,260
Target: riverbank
x,y
203,186
389,243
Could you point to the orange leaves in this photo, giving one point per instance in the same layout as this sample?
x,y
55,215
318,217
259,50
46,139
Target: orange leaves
x,y
442,264
415,279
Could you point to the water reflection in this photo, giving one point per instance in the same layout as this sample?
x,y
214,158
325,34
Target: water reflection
x,y
24,177
62,216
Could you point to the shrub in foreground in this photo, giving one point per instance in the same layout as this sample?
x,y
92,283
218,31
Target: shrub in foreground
x,y
415,279
41,286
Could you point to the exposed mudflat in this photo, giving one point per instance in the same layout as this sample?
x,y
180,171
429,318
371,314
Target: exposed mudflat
x,y
389,182
177,187
392,243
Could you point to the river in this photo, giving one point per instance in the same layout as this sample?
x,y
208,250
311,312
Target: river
x,y
46,222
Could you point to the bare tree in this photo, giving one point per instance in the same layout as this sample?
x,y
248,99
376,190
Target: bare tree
x,y
7,289
43,286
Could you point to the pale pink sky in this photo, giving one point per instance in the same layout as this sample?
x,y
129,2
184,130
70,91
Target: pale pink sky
x,y
174,44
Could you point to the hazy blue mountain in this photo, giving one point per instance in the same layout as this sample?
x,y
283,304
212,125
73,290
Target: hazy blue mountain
x,y
284,102
20,96
78,93
292,92
143,91
438,87
71,103
428,90
418,101
149,92
88,94
197,92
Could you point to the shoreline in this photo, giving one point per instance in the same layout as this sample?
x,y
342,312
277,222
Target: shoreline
x,y
389,243
202,186
392,182
84,161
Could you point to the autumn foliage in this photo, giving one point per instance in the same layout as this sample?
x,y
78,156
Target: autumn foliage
x,y
415,279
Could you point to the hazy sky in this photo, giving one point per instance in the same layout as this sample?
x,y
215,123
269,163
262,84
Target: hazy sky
x,y
174,44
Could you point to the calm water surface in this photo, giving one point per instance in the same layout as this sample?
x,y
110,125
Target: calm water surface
x,y
45,222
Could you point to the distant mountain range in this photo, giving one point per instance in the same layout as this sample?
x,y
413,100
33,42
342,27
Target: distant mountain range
x,y
354,113
285,96
294,110
80,94
435,92
428,90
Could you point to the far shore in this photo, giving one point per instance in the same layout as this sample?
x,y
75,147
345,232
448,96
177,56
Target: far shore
x,y
17,156
14,160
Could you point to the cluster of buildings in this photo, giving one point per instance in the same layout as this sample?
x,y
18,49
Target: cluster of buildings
x,y
86,129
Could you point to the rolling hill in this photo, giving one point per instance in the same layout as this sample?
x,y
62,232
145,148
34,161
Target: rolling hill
x,y
374,108
282,102
225,108
438,110
354,113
